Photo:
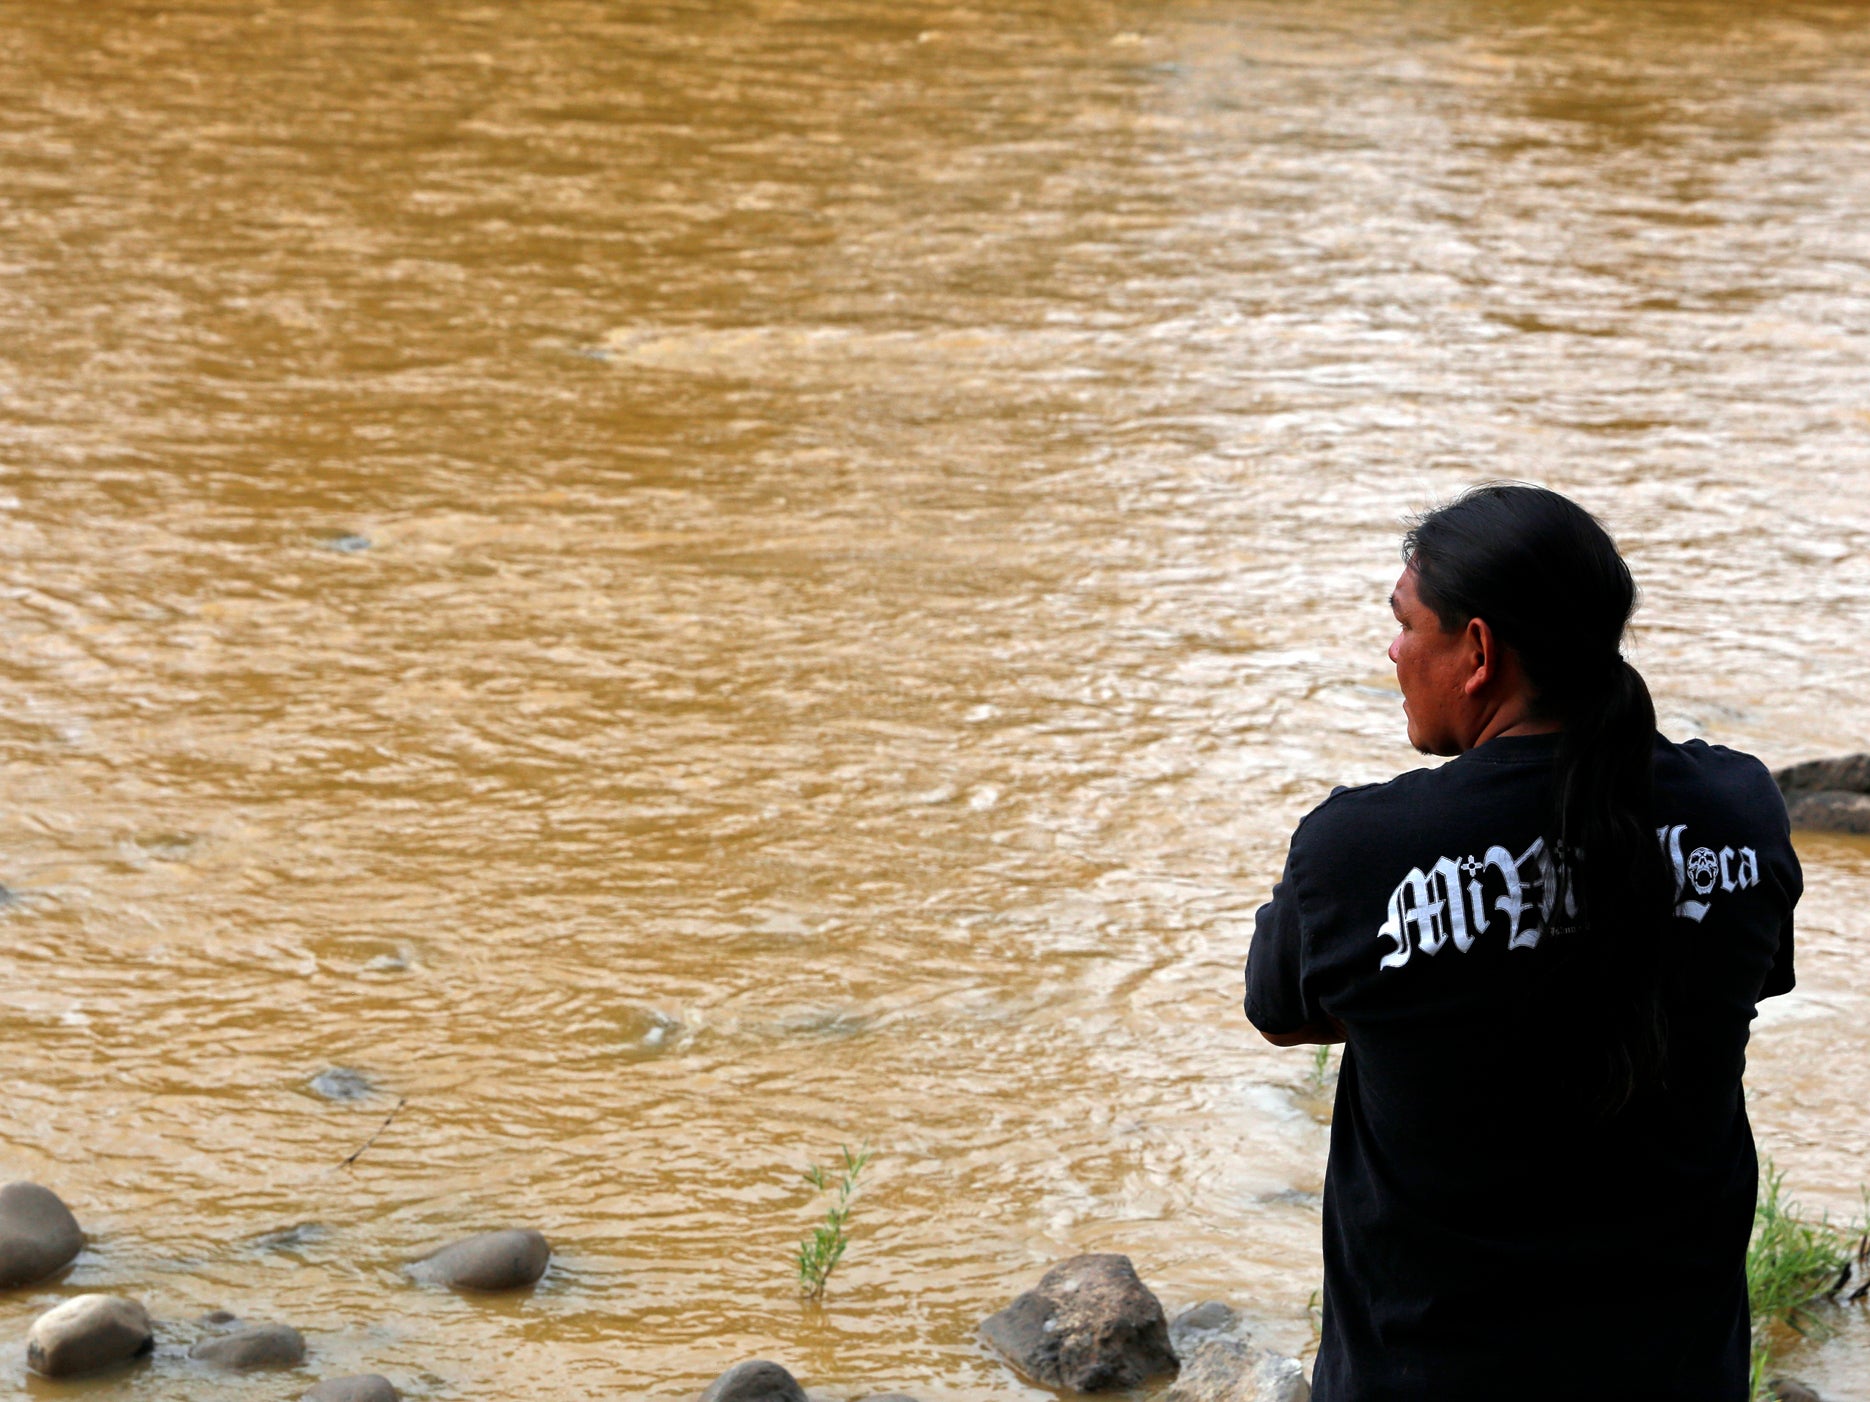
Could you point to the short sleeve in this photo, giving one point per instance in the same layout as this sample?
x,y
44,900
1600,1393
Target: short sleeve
x,y
1276,1000
1781,978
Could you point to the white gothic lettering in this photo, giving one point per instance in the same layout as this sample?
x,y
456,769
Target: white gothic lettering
x,y
1459,899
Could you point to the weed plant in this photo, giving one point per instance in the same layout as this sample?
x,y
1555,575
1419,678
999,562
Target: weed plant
x,y
1793,1262
1321,1067
820,1252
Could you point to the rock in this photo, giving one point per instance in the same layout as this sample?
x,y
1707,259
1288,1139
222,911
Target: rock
x,y
1829,810
1203,1321
1792,1390
1226,1368
218,1319
364,1387
290,1239
255,1346
342,1083
756,1380
1849,774
38,1234
509,1260
1089,1325
86,1333
1828,795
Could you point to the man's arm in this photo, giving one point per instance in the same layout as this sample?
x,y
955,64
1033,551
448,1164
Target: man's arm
x,y
1780,978
1328,1033
1277,1002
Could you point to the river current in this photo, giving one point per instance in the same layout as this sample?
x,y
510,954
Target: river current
x,y
679,585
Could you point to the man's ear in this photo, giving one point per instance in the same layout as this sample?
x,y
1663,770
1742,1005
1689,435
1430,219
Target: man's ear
x,y
1482,651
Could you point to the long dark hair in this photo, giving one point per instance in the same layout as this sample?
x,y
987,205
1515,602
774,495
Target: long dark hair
x,y
1547,578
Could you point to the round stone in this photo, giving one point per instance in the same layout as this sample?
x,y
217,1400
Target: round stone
x,y
253,1347
87,1333
508,1260
38,1234
364,1387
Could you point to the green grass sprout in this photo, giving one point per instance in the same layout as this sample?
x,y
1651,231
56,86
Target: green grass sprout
x,y
1793,1262
1321,1064
820,1252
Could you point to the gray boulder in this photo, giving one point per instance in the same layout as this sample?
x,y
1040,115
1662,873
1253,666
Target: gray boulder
x,y
1223,1368
1828,795
87,1333
252,1347
509,1260
38,1234
756,1380
1829,810
1089,1325
364,1387
1848,774
1792,1390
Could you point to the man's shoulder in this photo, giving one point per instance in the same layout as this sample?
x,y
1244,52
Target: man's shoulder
x,y
1692,775
1357,809
1734,771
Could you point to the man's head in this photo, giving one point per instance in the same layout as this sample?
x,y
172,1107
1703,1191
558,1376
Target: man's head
x,y
1509,614
1512,609
1456,682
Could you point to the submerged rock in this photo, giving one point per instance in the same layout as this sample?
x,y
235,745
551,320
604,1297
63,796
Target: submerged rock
x,y
1226,1368
38,1234
252,1347
1792,1390
756,1380
363,1387
509,1260
291,1239
1089,1325
1828,795
343,1084
87,1333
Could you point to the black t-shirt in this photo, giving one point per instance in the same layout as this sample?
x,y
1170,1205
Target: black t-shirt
x,y
1488,1233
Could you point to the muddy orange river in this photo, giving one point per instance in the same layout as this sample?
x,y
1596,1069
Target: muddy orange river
x,y
676,585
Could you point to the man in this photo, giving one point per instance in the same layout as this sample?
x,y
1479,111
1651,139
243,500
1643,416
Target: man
x,y
1544,958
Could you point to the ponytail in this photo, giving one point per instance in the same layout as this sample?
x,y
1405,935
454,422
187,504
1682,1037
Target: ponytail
x,y
1548,580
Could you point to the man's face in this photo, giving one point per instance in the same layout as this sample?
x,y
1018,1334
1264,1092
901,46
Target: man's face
x,y
1432,668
